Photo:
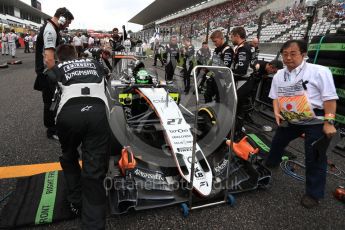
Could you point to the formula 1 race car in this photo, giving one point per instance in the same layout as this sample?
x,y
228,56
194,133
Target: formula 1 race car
x,y
172,148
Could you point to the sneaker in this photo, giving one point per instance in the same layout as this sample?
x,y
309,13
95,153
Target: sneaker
x,y
309,202
53,137
75,209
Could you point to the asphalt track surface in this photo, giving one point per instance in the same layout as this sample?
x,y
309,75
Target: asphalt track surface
x,y
23,141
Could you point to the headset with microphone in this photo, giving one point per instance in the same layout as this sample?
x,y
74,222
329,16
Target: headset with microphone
x,y
62,19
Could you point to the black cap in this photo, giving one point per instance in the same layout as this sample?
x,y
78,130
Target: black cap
x,y
277,64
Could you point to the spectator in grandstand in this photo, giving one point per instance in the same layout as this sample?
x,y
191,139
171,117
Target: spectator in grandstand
x,y
187,53
12,38
171,57
304,101
157,52
222,56
100,55
78,43
47,40
4,43
254,48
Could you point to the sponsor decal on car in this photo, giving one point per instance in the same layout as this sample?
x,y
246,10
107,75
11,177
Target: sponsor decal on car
x,y
148,175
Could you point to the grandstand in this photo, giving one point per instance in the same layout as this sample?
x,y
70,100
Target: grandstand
x,y
282,20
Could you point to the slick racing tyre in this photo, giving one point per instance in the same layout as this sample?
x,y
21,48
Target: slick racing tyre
x,y
206,121
337,67
332,47
341,94
340,114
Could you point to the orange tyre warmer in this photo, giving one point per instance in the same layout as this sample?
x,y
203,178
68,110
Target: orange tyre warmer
x,y
127,160
243,149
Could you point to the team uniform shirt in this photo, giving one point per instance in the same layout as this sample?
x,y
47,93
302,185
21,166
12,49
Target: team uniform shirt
x,y
223,56
303,90
50,37
96,54
255,55
241,62
203,56
3,37
188,56
158,48
261,71
12,37
80,78
172,53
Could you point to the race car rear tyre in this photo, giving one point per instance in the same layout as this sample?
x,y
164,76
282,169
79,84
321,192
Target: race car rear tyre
x,y
337,68
332,47
208,118
340,114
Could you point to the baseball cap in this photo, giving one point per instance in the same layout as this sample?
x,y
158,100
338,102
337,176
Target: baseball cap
x,y
277,64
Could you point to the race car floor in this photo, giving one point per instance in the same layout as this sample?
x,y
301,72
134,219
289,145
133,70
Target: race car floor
x,y
23,141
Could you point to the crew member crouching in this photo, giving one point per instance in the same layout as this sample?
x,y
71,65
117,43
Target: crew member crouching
x,y
82,119
100,55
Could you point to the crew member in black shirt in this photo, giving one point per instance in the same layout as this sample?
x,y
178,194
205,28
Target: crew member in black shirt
x,y
82,121
222,56
171,57
47,40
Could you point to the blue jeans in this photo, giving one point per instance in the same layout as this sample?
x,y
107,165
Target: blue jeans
x,y
315,162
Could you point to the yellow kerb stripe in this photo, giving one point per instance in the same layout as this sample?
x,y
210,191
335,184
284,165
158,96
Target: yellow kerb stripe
x,y
28,170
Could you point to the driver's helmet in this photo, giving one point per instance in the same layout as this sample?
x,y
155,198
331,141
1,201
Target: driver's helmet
x,y
143,77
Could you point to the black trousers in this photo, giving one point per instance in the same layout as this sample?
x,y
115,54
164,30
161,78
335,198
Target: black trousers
x,y
26,50
186,76
244,96
48,116
158,56
169,71
211,92
85,123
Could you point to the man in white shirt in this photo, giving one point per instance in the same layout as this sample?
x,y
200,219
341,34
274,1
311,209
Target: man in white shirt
x,y
27,40
78,44
91,42
84,40
12,37
4,43
304,102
